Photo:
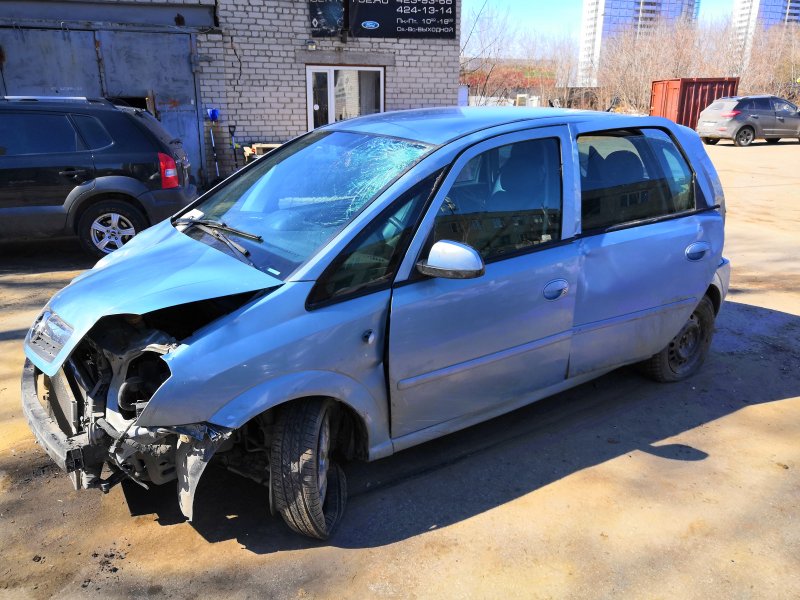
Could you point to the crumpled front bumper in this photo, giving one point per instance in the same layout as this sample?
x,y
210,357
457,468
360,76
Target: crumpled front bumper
x,y
66,451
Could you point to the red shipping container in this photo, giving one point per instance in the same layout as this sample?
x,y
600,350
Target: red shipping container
x,y
682,100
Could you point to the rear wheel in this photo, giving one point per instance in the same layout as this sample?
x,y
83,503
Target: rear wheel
x,y
308,489
773,140
108,225
744,136
710,141
687,351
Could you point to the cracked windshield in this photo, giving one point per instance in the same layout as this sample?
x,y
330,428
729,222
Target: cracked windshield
x,y
300,196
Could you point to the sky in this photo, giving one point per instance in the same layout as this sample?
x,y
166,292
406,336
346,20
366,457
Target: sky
x,y
559,17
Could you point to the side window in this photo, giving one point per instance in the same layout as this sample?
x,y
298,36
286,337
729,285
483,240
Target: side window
x,y
515,204
745,105
370,261
762,104
37,133
92,131
784,108
628,176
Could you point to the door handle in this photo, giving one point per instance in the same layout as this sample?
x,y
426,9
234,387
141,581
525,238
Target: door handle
x,y
71,172
697,250
556,289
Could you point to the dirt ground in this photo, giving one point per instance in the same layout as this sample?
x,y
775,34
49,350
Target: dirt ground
x,y
621,488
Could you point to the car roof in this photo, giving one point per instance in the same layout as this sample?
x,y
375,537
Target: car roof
x,y
747,97
59,104
443,124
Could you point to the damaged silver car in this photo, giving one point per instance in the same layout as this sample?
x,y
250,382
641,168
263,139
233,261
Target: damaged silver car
x,y
375,284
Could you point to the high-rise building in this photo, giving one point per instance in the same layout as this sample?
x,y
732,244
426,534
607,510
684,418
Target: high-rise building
x,y
749,15
605,18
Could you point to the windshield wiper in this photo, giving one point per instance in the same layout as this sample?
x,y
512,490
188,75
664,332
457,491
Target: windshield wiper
x,y
220,226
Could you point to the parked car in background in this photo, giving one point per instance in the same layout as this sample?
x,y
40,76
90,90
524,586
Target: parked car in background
x,y
746,118
89,168
375,284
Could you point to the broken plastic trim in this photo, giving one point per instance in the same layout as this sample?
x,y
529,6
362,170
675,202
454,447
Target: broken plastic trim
x,y
196,445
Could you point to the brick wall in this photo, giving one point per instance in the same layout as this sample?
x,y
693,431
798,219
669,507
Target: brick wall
x,y
255,71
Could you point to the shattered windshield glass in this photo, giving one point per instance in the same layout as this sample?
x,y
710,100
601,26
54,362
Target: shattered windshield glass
x,y
299,196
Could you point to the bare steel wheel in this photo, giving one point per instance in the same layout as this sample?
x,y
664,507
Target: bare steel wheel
x,y
107,226
686,352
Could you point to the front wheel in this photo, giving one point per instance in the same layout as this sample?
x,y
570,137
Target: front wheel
x,y
687,351
308,489
710,141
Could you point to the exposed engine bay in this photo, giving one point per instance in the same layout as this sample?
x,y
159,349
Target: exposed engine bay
x,y
105,385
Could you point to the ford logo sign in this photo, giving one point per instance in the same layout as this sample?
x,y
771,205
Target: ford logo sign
x,y
370,24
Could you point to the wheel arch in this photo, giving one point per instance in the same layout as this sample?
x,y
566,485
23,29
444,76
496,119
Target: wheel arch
x,y
361,412
109,188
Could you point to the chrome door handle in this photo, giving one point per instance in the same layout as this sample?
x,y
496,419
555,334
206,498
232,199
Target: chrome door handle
x,y
556,289
697,250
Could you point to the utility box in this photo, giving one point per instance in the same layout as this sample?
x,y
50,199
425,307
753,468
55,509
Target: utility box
x,y
682,100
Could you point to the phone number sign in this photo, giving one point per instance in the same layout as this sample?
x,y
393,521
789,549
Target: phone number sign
x,y
403,18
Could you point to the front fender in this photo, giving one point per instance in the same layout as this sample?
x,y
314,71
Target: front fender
x,y
292,386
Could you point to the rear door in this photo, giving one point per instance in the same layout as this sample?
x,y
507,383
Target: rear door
x,y
42,160
463,348
649,247
762,115
787,119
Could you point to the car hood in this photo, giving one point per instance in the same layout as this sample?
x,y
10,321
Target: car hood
x,y
160,267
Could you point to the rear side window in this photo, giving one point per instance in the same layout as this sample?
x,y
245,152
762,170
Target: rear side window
x,y
745,105
93,132
37,133
632,175
762,104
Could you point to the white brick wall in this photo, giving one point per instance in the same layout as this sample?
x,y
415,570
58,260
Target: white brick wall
x,y
256,73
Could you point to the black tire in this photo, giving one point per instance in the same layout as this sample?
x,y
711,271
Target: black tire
x,y
710,141
773,140
687,351
744,137
121,221
307,504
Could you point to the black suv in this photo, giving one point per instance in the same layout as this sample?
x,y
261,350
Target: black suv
x,y
86,167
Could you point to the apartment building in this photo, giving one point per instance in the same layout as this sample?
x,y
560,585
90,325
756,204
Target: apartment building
x,y
602,19
750,15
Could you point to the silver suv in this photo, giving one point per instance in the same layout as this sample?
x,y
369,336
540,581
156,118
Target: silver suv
x,y
745,118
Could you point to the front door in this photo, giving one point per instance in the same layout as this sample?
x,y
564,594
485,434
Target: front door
x,y
339,93
42,160
787,119
460,348
648,255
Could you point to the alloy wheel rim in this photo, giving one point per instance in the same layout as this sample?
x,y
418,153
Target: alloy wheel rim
x,y
745,136
111,231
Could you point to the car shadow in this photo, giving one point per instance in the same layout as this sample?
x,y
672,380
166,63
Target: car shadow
x,y
754,359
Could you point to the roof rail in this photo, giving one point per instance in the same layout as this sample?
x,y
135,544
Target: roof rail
x,y
85,99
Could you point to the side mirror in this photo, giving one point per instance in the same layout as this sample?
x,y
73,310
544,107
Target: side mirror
x,y
452,260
